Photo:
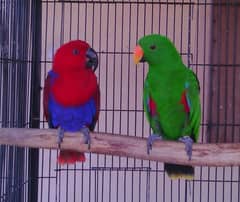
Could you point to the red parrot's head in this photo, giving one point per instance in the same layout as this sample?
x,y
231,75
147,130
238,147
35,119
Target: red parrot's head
x,y
75,56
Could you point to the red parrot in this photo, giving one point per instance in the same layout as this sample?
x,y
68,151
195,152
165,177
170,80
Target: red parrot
x,y
71,94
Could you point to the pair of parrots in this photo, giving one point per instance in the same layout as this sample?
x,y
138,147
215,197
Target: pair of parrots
x,y
171,96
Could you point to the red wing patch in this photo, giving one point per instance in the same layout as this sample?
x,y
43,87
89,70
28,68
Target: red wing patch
x,y
152,107
184,102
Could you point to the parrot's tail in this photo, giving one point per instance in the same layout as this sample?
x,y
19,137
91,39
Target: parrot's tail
x,y
70,157
175,171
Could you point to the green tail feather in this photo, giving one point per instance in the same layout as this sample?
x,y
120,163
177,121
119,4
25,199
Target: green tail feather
x,y
175,171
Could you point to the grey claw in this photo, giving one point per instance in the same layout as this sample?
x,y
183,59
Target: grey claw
x,y
60,136
149,146
86,134
188,145
150,141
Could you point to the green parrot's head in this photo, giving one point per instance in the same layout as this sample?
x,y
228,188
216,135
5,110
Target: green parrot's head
x,y
155,49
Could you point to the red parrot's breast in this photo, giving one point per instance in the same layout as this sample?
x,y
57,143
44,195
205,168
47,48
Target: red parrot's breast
x,y
74,88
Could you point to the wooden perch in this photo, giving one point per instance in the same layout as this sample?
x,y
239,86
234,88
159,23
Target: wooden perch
x,y
165,151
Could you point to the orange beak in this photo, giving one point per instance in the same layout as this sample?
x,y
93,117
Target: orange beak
x,y
137,54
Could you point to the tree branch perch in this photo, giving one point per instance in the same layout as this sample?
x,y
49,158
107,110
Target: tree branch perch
x,y
225,154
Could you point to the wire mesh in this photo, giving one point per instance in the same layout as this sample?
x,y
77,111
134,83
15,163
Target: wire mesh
x,y
16,103
206,34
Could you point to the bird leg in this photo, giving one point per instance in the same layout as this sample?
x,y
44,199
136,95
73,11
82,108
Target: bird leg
x,y
151,139
188,141
60,136
85,131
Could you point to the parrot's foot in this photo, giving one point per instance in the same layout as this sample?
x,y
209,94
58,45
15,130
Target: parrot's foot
x,y
86,134
150,141
60,136
188,145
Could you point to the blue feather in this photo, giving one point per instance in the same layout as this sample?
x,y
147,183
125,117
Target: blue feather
x,y
71,118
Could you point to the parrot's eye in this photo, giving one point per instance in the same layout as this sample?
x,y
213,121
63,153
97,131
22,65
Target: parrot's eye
x,y
153,47
75,52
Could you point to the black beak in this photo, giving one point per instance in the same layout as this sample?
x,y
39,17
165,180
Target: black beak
x,y
92,59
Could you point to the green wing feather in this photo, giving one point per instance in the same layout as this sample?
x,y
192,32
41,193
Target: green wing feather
x,y
146,97
195,108
153,120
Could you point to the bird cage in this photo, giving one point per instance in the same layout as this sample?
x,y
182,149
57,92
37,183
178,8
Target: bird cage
x,y
206,33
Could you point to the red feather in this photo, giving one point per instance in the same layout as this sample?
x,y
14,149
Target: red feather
x,y
152,107
184,102
75,88
70,157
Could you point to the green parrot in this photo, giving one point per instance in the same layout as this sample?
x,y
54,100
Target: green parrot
x,y
171,98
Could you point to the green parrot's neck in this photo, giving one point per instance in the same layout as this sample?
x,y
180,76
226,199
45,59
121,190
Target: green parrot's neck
x,y
166,69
